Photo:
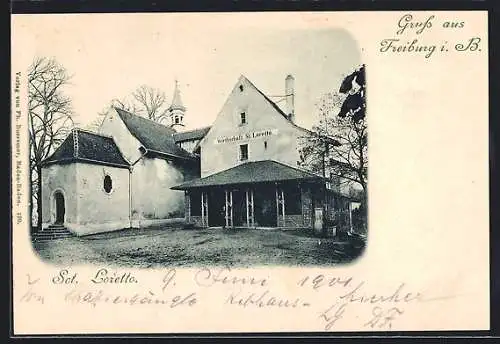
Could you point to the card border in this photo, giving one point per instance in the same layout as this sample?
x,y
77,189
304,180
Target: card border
x,y
493,8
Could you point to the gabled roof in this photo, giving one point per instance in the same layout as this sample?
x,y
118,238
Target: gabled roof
x,y
273,104
195,134
276,107
155,137
279,111
85,146
251,172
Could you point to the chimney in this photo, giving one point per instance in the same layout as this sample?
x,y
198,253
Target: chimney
x,y
290,95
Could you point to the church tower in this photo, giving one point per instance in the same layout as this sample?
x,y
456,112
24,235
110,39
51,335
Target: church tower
x,y
177,109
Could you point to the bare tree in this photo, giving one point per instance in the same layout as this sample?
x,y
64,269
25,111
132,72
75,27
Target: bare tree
x,y
318,144
151,101
50,119
95,125
125,104
338,143
122,103
144,101
352,133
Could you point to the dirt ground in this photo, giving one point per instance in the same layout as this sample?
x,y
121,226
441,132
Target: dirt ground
x,y
163,246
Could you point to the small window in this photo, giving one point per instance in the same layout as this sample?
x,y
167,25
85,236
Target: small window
x,y
108,184
241,88
243,118
176,119
265,144
243,152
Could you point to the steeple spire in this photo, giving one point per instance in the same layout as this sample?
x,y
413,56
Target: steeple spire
x,y
176,99
177,109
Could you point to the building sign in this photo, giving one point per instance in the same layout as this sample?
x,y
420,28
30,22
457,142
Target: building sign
x,y
246,136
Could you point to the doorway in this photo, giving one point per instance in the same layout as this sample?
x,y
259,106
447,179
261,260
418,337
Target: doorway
x,y
216,210
60,209
265,207
239,208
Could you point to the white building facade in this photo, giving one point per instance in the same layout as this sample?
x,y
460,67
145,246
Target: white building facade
x,y
250,173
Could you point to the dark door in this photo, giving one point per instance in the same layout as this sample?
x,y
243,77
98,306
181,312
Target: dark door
x,y
265,206
239,208
59,207
216,210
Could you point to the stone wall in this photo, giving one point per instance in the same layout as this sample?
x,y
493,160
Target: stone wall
x,y
292,221
307,207
196,221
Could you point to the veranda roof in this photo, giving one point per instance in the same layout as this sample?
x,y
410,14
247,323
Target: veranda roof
x,y
250,172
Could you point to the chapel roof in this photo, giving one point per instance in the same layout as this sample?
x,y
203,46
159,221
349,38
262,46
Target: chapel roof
x,y
85,146
155,137
194,134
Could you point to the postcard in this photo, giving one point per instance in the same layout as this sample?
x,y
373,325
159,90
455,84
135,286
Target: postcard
x,y
250,172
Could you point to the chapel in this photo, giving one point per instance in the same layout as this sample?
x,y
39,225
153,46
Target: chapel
x,y
120,176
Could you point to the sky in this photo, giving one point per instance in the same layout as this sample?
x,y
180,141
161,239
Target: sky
x,y
110,55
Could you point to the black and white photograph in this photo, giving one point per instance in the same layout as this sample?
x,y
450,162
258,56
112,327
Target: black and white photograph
x,y
251,172
237,147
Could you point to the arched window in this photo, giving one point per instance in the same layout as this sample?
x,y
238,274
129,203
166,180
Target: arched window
x,y
108,184
176,119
